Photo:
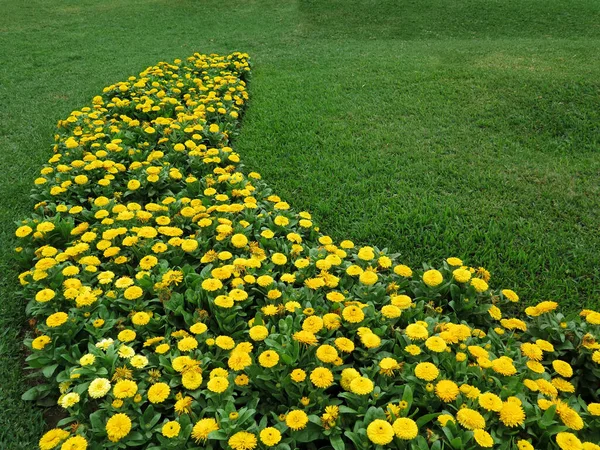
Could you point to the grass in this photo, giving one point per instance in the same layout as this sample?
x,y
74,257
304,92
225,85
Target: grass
x,y
432,128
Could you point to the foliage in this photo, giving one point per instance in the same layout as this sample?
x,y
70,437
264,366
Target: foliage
x,y
177,301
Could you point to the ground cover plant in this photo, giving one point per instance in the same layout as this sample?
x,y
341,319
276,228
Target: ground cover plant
x,y
178,302
427,128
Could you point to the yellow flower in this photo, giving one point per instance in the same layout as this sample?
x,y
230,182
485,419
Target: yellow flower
x,y
490,402
512,414
361,386
446,390
296,419
426,371
75,443
321,377
568,441
242,440
56,319
118,426
270,436
218,384
405,428
298,375
133,292
158,392
203,428
353,314
52,438
433,278
435,344
416,332
470,419
211,284
483,438
461,275
403,271
326,353
171,429
563,368
524,445
40,342
268,358
380,432
479,284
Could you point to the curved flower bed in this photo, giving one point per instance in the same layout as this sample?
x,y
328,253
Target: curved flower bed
x,y
178,303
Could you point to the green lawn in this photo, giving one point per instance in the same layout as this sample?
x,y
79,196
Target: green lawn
x,y
434,128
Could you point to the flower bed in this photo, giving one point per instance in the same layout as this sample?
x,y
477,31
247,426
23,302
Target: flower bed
x,y
178,303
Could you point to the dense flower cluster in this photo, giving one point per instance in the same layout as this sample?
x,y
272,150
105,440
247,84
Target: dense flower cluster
x,y
178,303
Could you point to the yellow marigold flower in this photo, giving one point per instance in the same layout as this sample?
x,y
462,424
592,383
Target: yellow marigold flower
x,y
353,314
171,429
40,342
218,384
433,278
133,292
391,312
239,360
368,277
187,344
361,386
483,438
504,366
405,428
45,295
296,419
510,295
443,419
479,284
594,409
436,344
416,332
225,342
563,368
56,319
118,426
242,440
403,271
512,414
524,445
212,284
52,438
414,350
426,371
23,231
298,375
532,351
380,432
203,428
268,358
321,377
461,275
99,387
446,390
158,392
568,441
495,312
326,353
270,436
125,389
490,402
388,365
470,419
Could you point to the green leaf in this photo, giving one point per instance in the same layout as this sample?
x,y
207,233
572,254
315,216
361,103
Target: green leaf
x,y
337,443
31,394
548,417
407,396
